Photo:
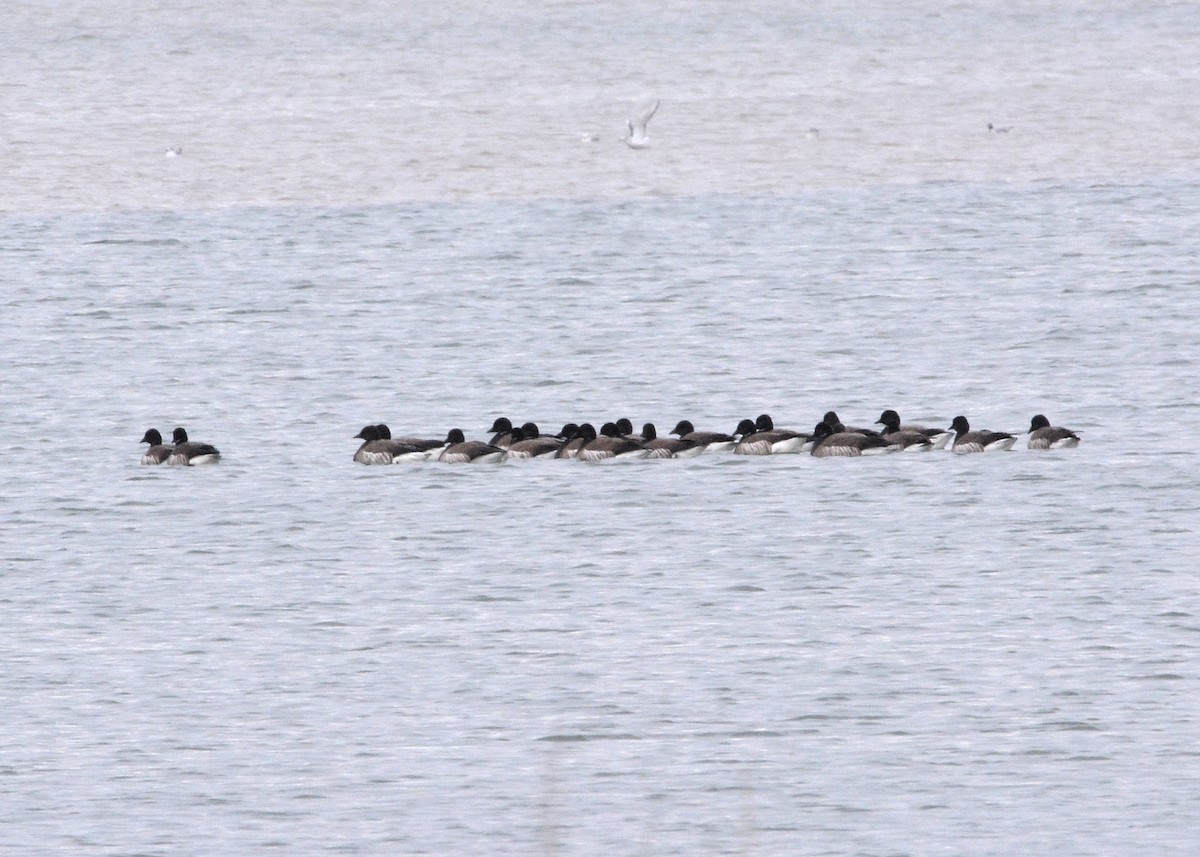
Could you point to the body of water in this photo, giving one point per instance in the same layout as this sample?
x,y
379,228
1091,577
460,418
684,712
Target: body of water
x,y
382,212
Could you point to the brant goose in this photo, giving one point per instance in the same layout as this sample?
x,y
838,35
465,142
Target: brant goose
x,y
831,419
371,451
711,441
790,441
890,420
579,436
608,445
529,442
459,450
625,429
501,432
1042,435
833,441
760,437
908,441
966,441
379,448
423,448
158,451
187,453
668,447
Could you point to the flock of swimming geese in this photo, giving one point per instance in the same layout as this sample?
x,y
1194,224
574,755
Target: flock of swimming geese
x,y
180,451
617,440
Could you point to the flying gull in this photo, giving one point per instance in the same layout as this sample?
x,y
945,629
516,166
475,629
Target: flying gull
x,y
637,137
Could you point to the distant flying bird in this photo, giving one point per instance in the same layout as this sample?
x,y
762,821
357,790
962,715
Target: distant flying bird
x,y
173,152
637,138
996,130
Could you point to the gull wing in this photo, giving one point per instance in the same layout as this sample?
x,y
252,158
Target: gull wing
x,y
644,117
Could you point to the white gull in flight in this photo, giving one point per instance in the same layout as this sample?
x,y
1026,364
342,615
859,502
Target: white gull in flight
x,y
637,138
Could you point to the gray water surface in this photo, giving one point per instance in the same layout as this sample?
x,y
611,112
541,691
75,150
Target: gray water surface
x,y
288,652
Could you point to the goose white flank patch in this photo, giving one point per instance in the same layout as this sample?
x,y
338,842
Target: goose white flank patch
x,y
187,453
1042,435
637,138
980,440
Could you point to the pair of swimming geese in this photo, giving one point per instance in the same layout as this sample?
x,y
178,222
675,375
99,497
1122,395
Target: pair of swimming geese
x,y
617,439
180,451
